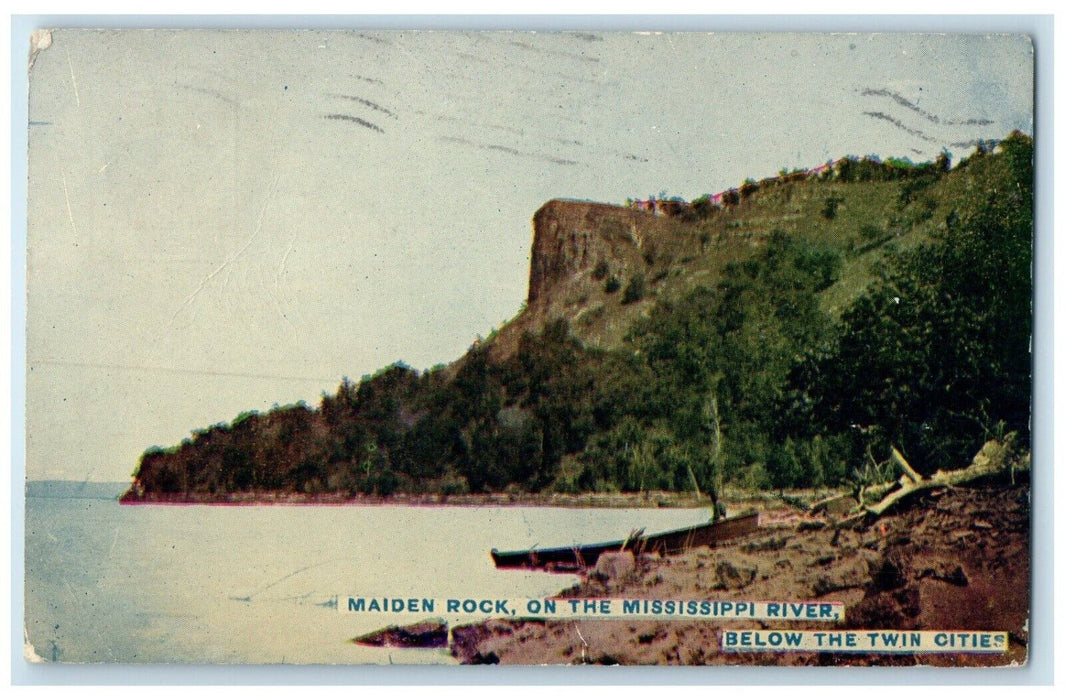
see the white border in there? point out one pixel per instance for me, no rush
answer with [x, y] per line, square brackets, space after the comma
[1040, 667]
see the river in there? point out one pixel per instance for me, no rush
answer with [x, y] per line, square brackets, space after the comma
[259, 584]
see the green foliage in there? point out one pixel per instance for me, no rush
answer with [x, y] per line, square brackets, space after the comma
[831, 207]
[702, 208]
[937, 353]
[744, 377]
[911, 188]
[734, 346]
[870, 233]
[635, 290]
[942, 163]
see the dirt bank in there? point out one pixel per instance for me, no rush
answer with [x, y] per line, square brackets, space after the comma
[953, 559]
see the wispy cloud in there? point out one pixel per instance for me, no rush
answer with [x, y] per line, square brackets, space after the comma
[355, 120]
[934, 118]
[509, 150]
[365, 102]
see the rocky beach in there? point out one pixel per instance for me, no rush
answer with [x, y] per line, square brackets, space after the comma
[951, 559]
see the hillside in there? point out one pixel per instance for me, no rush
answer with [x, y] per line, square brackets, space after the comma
[778, 334]
[578, 246]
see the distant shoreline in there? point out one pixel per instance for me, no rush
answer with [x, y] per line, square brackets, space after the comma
[658, 499]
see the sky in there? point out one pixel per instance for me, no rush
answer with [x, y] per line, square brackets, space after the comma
[221, 221]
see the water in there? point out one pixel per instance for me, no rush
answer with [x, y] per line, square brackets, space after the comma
[257, 584]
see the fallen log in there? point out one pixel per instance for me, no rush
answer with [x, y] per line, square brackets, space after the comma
[993, 459]
[905, 466]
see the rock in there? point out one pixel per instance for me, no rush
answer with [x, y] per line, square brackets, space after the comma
[422, 635]
[889, 574]
[878, 611]
[854, 576]
[570, 238]
[732, 577]
[955, 575]
[466, 640]
[947, 572]
[909, 600]
[478, 659]
[836, 505]
[613, 567]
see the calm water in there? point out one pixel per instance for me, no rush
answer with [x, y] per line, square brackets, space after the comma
[256, 584]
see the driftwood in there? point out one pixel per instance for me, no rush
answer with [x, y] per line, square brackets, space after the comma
[994, 458]
[907, 470]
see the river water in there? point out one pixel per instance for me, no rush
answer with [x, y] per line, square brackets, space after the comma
[259, 584]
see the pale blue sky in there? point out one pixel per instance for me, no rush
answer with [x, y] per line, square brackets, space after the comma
[221, 221]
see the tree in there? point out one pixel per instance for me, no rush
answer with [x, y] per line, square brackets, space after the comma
[936, 354]
[634, 290]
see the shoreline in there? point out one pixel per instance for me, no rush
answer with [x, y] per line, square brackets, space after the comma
[934, 564]
[653, 499]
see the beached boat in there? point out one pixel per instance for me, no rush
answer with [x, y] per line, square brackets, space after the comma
[671, 542]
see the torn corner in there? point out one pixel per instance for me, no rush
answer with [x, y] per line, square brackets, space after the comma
[40, 40]
[28, 651]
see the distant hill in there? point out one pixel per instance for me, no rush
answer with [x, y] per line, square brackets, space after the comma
[783, 333]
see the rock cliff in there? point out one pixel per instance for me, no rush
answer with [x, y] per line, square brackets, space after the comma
[583, 256]
[571, 238]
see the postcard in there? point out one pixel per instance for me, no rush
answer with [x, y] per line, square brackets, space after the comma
[535, 348]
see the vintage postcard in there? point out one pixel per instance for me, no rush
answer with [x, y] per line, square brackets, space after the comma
[616, 348]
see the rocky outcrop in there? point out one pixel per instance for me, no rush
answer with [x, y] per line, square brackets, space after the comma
[571, 237]
[585, 254]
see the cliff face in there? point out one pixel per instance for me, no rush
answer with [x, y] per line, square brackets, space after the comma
[577, 249]
[583, 257]
[571, 238]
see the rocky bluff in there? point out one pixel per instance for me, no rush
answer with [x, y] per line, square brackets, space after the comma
[585, 255]
[571, 238]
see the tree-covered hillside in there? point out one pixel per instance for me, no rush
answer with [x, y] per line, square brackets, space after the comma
[879, 304]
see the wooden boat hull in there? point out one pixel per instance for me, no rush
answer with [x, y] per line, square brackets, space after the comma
[671, 542]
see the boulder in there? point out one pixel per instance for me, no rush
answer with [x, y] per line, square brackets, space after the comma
[615, 566]
[730, 577]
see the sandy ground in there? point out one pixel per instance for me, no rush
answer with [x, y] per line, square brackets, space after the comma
[953, 559]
